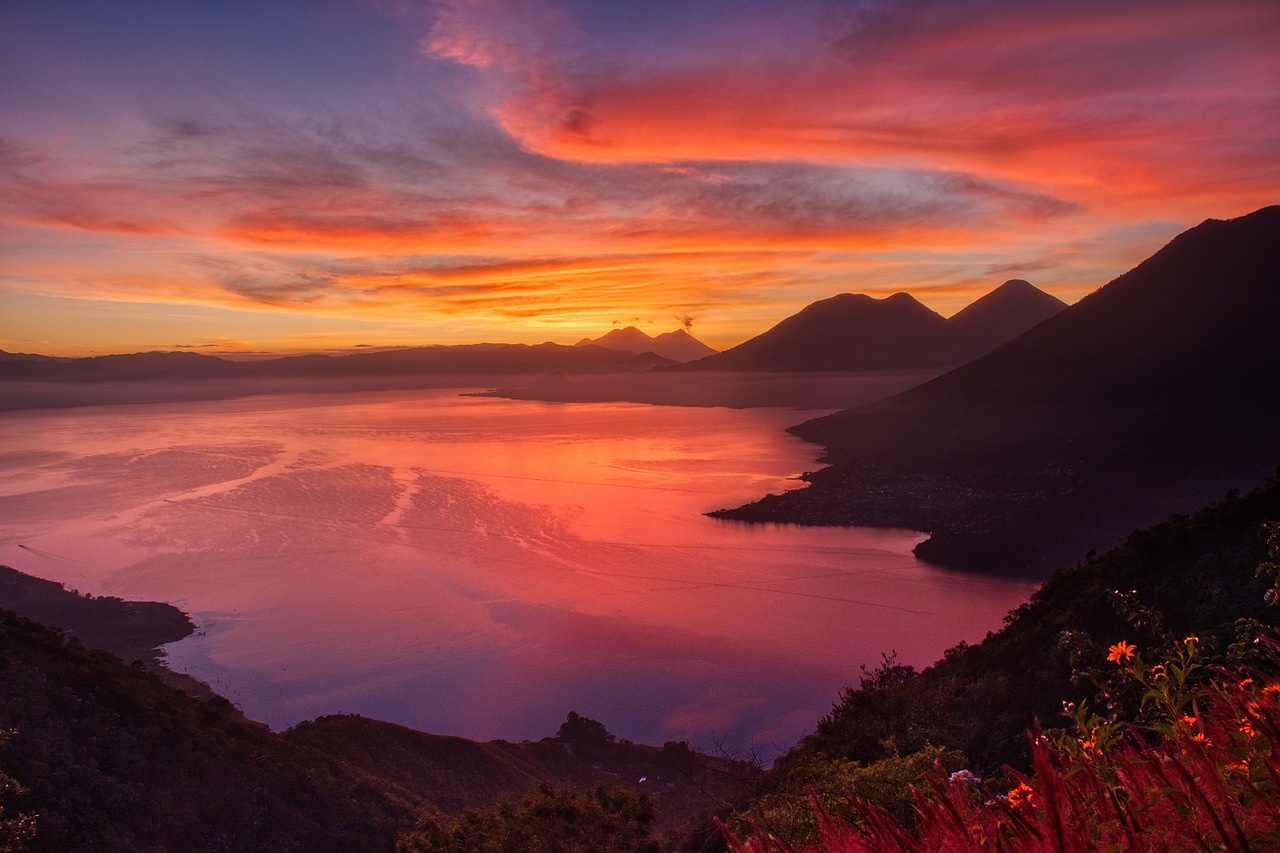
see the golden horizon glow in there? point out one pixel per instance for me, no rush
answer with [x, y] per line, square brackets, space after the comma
[463, 171]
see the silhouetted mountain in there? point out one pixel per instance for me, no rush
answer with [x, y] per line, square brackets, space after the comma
[470, 358]
[1153, 393]
[629, 338]
[140, 365]
[1000, 316]
[680, 346]
[27, 356]
[676, 346]
[846, 332]
[852, 332]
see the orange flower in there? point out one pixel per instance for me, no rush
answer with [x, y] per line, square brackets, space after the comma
[1021, 796]
[1121, 652]
[1271, 690]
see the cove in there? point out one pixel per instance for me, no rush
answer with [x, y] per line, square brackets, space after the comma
[480, 566]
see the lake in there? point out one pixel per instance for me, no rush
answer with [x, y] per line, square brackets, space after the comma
[479, 566]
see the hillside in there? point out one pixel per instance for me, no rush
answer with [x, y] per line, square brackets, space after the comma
[113, 759]
[1151, 394]
[855, 332]
[1199, 573]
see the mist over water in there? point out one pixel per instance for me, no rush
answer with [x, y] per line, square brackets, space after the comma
[478, 566]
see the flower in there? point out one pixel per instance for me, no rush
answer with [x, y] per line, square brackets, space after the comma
[1121, 652]
[1021, 796]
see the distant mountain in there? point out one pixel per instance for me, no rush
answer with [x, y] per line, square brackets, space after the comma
[676, 346]
[852, 332]
[26, 356]
[846, 332]
[469, 358]
[1000, 316]
[1154, 393]
[141, 365]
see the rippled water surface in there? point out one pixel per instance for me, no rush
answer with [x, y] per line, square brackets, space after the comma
[478, 566]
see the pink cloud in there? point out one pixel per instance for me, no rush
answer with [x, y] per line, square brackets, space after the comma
[1103, 101]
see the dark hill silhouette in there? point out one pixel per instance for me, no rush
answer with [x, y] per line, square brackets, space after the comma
[846, 332]
[113, 759]
[1000, 316]
[1153, 393]
[139, 365]
[676, 346]
[26, 356]
[466, 358]
[853, 332]
[629, 338]
[680, 346]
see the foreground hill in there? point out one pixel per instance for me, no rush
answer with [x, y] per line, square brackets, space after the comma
[1153, 393]
[115, 760]
[1190, 575]
[857, 332]
[1163, 651]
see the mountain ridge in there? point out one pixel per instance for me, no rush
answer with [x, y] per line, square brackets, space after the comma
[677, 345]
[855, 331]
[1147, 395]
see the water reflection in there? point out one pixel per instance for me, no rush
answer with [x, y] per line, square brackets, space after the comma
[478, 566]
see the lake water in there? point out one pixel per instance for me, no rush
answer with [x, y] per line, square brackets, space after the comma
[477, 566]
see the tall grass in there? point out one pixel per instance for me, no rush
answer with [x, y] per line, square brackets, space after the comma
[1197, 769]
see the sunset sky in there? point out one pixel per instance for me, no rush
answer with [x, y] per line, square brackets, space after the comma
[284, 176]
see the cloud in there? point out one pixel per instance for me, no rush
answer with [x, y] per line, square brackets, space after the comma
[550, 164]
[1063, 97]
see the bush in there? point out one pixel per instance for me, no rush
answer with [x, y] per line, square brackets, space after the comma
[554, 820]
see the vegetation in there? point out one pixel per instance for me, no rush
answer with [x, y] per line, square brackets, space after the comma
[1197, 767]
[112, 759]
[1187, 576]
[1162, 652]
[1175, 747]
[554, 820]
[17, 830]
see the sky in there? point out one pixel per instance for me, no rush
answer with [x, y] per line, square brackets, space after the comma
[238, 177]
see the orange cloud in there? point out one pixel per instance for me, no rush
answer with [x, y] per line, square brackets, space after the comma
[1113, 104]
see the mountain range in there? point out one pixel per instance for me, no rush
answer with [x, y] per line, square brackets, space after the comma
[1153, 393]
[677, 346]
[851, 332]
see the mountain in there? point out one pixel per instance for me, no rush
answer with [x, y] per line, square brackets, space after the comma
[852, 332]
[681, 346]
[1155, 392]
[1002, 315]
[845, 332]
[676, 346]
[26, 356]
